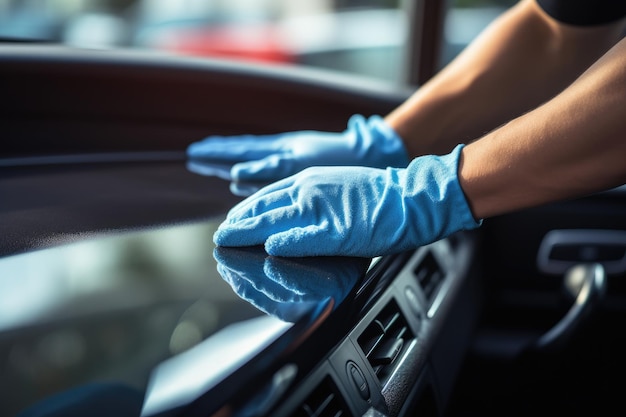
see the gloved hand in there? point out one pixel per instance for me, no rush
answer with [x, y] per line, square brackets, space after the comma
[365, 142]
[287, 288]
[353, 211]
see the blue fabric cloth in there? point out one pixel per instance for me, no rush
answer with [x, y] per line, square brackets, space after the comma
[353, 211]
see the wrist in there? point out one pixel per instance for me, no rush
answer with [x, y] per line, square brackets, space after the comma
[435, 200]
[381, 146]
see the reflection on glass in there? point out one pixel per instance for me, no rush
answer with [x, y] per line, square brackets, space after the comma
[107, 272]
[287, 287]
[222, 170]
[111, 306]
[107, 307]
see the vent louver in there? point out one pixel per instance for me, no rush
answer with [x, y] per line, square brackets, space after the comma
[429, 275]
[384, 339]
[324, 401]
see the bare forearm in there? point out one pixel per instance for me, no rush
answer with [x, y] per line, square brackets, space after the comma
[572, 145]
[519, 62]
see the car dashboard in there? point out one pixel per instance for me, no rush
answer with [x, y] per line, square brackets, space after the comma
[113, 286]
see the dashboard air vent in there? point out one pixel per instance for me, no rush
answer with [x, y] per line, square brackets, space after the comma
[324, 401]
[384, 339]
[429, 275]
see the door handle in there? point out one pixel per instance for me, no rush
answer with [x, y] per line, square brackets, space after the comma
[587, 284]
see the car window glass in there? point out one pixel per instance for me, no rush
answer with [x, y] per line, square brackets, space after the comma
[356, 36]
[464, 20]
[365, 37]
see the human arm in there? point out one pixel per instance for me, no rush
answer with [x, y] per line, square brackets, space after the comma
[520, 61]
[570, 146]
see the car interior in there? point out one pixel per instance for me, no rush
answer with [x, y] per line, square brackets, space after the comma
[116, 302]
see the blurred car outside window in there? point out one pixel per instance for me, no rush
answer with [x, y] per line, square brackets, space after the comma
[464, 20]
[365, 37]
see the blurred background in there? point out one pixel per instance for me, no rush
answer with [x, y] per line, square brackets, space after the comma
[366, 37]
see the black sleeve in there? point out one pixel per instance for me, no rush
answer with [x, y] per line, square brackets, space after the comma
[584, 12]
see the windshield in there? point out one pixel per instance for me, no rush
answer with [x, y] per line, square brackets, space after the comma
[321, 33]
[366, 37]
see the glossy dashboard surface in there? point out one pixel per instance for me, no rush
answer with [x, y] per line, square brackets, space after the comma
[112, 292]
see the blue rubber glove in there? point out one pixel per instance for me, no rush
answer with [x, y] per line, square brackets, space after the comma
[353, 211]
[365, 142]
